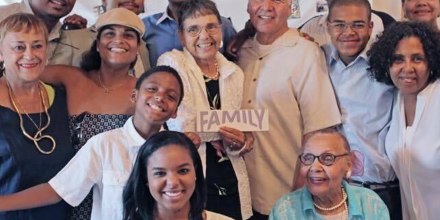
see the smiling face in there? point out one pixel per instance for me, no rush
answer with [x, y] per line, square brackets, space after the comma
[409, 69]
[52, 8]
[422, 10]
[171, 178]
[24, 55]
[269, 18]
[349, 42]
[118, 45]
[321, 180]
[136, 6]
[157, 99]
[204, 46]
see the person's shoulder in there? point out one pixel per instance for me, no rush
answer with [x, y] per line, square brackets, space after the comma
[173, 55]
[108, 136]
[226, 20]
[79, 39]
[312, 23]
[10, 9]
[364, 193]
[291, 198]
[216, 216]
[152, 19]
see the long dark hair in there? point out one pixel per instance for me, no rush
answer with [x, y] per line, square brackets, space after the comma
[138, 202]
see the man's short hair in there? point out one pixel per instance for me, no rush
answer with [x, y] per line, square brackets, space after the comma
[363, 3]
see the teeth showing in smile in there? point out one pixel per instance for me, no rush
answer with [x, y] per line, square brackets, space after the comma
[205, 45]
[28, 65]
[408, 79]
[317, 179]
[57, 2]
[265, 17]
[173, 194]
[118, 50]
[156, 107]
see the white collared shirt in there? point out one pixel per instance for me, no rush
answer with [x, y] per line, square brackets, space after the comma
[415, 154]
[104, 163]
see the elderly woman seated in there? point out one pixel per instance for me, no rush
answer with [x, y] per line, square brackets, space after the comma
[326, 194]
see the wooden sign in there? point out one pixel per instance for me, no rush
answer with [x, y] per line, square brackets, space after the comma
[243, 119]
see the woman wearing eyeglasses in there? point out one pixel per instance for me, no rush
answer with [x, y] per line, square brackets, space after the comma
[325, 165]
[211, 82]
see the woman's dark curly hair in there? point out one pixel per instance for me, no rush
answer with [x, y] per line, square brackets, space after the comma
[381, 54]
[91, 60]
[138, 202]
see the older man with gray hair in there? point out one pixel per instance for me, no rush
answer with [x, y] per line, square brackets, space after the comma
[286, 74]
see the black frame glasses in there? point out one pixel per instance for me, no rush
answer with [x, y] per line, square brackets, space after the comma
[326, 159]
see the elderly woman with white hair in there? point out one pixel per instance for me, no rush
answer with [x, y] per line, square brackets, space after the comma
[325, 165]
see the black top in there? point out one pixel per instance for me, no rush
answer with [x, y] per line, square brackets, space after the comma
[221, 181]
[23, 166]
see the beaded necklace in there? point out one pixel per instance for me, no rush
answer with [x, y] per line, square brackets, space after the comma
[343, 201]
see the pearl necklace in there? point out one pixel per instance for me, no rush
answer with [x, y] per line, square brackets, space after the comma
[217, 74]
[344, 198]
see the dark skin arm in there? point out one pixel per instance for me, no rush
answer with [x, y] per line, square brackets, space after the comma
[37, 196]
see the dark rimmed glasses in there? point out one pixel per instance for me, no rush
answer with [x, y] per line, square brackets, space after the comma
[195, 30]
[326, 159]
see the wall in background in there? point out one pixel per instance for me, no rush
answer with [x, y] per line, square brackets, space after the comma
[235, 9]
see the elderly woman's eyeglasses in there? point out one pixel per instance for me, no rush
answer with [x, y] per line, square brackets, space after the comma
[340, 26]
[326, 159]
[195, 30]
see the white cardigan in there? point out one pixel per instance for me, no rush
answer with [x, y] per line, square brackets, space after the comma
[195, 99]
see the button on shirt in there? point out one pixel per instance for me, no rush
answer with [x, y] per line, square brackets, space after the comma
[366, 113]
[293, 85]
[104, 163]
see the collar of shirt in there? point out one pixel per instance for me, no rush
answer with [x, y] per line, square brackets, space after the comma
[131, 130]
[225, 67]
[354, 205]
[165, 16]
[333, 57]
[289, 39]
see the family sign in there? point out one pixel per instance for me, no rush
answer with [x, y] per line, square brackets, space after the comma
[244, 120]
